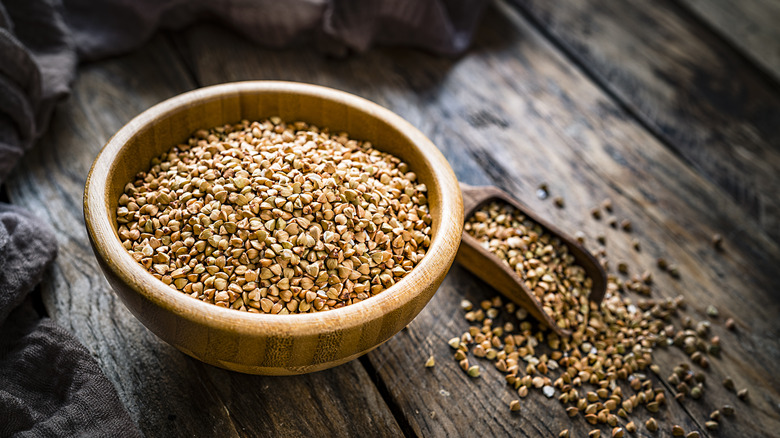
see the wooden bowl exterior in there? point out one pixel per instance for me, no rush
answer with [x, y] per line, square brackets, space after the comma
[261, 343]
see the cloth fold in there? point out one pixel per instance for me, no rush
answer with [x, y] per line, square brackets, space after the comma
[51, 386]
[445, 27]
[49, 383]
[27, 246]
[37, 64]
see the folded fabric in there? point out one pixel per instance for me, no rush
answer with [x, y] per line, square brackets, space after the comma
[442, 26]
[37, 65]
[27, 246]
[51, 386]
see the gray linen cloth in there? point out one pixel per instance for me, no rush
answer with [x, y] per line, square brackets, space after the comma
[49, 383]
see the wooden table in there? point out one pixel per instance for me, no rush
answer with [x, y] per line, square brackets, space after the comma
[669, 108]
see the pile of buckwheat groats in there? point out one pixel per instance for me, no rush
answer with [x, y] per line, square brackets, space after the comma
[601, 371]
[270, 217]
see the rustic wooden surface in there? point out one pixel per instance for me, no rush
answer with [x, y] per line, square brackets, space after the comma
[701, 97]
[751, 25]
[614, 115]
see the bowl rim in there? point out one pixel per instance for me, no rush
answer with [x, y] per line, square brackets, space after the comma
[108, 247]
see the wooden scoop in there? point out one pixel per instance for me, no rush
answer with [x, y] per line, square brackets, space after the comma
[485, 265]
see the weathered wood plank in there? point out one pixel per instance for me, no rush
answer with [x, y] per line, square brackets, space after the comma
[751, 25]
[166, 392]
[515, 112]
[697, 94]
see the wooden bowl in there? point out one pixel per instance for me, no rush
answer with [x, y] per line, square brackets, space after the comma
[264, 343]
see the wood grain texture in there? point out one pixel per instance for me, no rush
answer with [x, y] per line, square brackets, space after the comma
[751, 25]
[264, 343]
[486, 266]
[703, 99]
[166, 392]
[515, 112]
